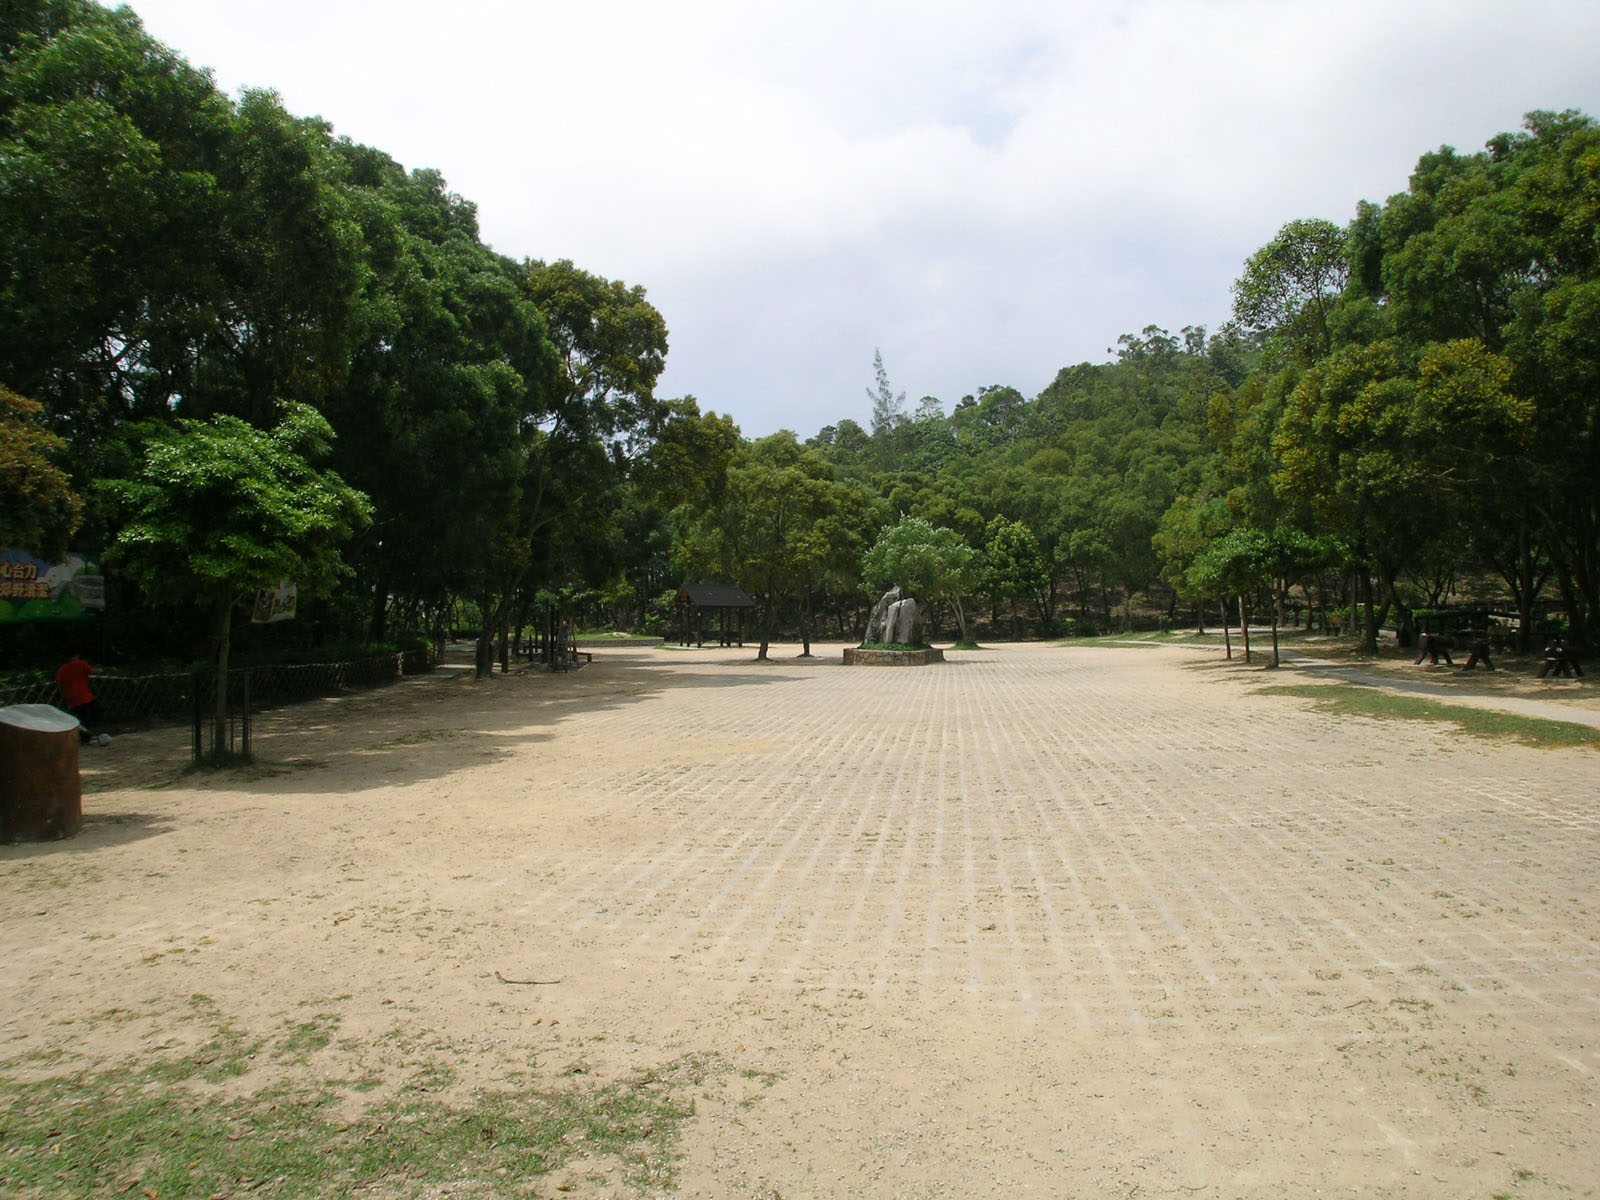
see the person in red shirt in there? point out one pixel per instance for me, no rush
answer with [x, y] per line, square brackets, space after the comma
[73, 679]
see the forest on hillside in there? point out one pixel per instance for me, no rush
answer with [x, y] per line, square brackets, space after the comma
[236, 349]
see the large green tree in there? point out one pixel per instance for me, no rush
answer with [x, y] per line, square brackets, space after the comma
[927, 562]
[219, 510]
[1374, 427]
[1014, 569]
[450, 370]
[1290, 285]
[1462, 367]
[167, 250]
[778, 531]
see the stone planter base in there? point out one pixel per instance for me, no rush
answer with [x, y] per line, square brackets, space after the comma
[855, 657]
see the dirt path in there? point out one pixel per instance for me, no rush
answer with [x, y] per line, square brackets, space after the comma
[1069, 922]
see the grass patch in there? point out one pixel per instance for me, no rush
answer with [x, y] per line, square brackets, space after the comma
[303, 1040]
[1350, 699]
[161, 1129]
[420, 738]
[901, 646]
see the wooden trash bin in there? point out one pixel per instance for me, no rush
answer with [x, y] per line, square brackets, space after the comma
[41, 795]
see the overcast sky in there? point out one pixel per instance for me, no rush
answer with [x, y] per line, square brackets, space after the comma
[987, 192]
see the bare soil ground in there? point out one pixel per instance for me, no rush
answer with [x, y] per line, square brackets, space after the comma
[1062, 921]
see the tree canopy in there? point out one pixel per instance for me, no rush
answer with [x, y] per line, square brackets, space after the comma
[219, 510]
[1418, 388]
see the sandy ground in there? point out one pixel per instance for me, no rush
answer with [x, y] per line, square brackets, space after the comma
[1082, 921]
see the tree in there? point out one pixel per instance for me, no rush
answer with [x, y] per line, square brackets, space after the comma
[925, 561]
[683, 471]
[1290, 284]
[1373, 428]
[38, 508]
[110, 152]
[611, 345]
[1244, 560]
[888, 406]
[170, 251]
[687, 460]
[1285, 557]
[220, 510]
[993, 418]
[1495, 250]
[601, 417]
[1188, 527]
[450, 368]
[284, 272]
[1013, 567]
[777, 532]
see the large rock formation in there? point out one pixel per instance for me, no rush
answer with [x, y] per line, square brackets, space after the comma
[895, 618]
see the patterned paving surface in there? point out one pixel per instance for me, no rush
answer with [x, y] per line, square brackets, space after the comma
[1039, 826]
[1137, 876]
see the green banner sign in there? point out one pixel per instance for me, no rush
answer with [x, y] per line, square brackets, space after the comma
[34, 590]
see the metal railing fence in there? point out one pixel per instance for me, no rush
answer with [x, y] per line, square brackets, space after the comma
[133, 700]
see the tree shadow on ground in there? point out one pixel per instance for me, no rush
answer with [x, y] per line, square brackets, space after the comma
[100, 831]
[426, 727]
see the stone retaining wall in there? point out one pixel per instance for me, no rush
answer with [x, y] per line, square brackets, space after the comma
[855, 657]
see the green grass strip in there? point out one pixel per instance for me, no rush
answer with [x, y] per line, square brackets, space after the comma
[1351, 699]
[138, 1130]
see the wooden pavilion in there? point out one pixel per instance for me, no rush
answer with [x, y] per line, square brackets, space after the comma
[721, 604]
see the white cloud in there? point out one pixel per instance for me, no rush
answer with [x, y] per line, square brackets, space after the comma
[986, 192]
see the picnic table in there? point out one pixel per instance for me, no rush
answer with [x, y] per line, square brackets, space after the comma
[1432, 645]
[1561, 660]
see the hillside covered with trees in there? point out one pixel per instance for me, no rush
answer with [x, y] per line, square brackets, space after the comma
[235, 348]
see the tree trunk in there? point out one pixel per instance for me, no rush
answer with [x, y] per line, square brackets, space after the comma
[1277, 619]
[1370, 617]
[1405, 625]
[961, 618]
[805, 625]
[1525, 590]
[504, 632]
[1227, 630]
[379, 624]
[222, 598]
[1526, 580]
[489, 614]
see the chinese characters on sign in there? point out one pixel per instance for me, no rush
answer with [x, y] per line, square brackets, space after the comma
[34, 590]
[275, 604]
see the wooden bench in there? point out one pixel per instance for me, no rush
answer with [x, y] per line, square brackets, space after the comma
[568, 658]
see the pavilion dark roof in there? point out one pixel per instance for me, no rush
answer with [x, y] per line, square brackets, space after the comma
[714, 595]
